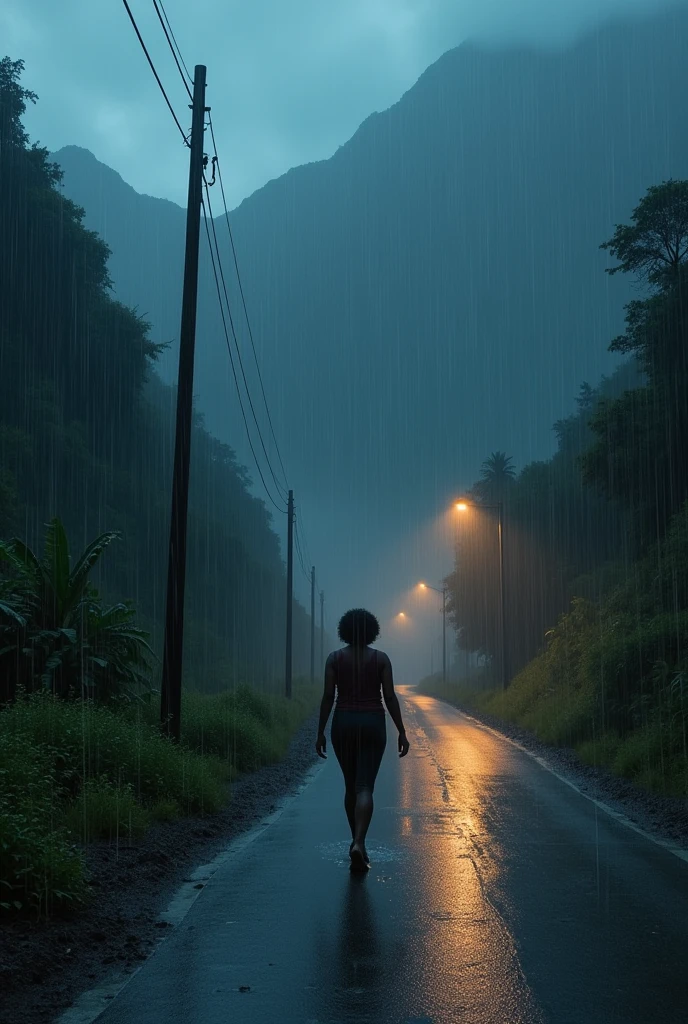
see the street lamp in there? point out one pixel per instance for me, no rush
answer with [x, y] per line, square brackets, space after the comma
[443, 592]
[463, 506]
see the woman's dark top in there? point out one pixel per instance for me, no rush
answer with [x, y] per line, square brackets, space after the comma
[358, 678]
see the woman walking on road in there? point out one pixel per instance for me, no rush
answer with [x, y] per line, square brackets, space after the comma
[359, 732]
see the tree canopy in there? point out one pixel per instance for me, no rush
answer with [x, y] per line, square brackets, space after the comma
[655, 245]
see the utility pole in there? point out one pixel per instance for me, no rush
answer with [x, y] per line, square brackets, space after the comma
[444, 633]
[322, 630]
[290, 589]
[312, 625]
[171, 688]
[505, 674]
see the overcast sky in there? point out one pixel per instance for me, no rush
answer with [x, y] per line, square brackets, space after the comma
[288, 80]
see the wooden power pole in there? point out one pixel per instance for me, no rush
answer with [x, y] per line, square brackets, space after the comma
[171, 689]
[322, 630]
[312, 625]
[290, 590]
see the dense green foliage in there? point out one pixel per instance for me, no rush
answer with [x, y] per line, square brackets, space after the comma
[556, 530]
[87, 428]
[73, 771]
[86, 444]
[601, 529]
[642, 438]
[55, 633]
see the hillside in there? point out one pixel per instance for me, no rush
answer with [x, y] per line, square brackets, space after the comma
[402, 291]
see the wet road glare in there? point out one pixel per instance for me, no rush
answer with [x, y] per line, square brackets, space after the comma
[497, 895]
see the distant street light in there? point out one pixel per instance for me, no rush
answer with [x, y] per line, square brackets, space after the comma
[463, 506]
[443, 592]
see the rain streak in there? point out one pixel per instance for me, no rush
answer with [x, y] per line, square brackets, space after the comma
[344, 512]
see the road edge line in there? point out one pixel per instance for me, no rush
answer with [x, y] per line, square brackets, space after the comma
[95, 1001]
[617, 815]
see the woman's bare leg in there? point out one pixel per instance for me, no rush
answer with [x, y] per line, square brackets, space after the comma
[350, 808]
[362, 815]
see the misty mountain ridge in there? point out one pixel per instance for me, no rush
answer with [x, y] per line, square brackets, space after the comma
[435, 289]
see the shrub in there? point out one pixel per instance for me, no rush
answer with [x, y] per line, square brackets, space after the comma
[104, 811]
[244, 728]
[88, 742]
[39, 866]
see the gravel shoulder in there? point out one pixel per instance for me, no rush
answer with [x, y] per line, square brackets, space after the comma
[45, 965]
[664, 818]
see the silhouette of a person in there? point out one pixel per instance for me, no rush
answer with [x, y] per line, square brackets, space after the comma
[360, 676]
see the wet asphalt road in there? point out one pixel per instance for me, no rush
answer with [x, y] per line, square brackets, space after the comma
[497, 894]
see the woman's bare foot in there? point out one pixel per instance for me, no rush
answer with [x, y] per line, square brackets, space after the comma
[365, 853]
[358, 857]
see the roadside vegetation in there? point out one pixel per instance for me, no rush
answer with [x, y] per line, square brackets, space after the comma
[86, 432]
[73, 771]
[596, 543]
[82, 757]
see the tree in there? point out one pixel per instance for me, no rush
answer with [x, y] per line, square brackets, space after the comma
[498, 474]
[655, 245]
[87, 433]
[641, 439]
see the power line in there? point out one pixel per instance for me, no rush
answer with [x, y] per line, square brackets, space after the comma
[300, 553]
[174, 53]
[231, 359]
[188, 74]
[280, 489]
[243, 298]
[302, 549]
[157, 76]
[304, 544]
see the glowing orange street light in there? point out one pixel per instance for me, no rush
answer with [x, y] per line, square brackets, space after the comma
[401, 615]
[463, 506]
[443, 592]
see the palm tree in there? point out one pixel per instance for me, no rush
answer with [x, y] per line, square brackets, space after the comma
[54, 631]
[498, 474]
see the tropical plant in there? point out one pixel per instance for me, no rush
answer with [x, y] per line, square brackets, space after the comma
[497, 474]
[54, 631]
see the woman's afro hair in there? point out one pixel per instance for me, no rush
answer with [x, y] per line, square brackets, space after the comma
[358, 627]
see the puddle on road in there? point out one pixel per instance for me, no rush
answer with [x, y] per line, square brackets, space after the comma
[379, 853]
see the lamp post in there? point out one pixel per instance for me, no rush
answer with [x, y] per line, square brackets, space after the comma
[443, 592]
[463, 506]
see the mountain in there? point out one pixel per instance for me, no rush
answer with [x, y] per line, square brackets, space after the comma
[434, 290]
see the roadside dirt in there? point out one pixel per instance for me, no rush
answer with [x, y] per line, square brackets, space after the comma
[45, 965]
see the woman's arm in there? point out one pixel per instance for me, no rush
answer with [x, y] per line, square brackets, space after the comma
[325, 706]
[392, 702]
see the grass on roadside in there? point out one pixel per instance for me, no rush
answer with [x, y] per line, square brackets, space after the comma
[652, 756]
[73, 772]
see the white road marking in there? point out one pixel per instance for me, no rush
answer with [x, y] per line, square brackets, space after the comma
[95, 1001]
[621, 818]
